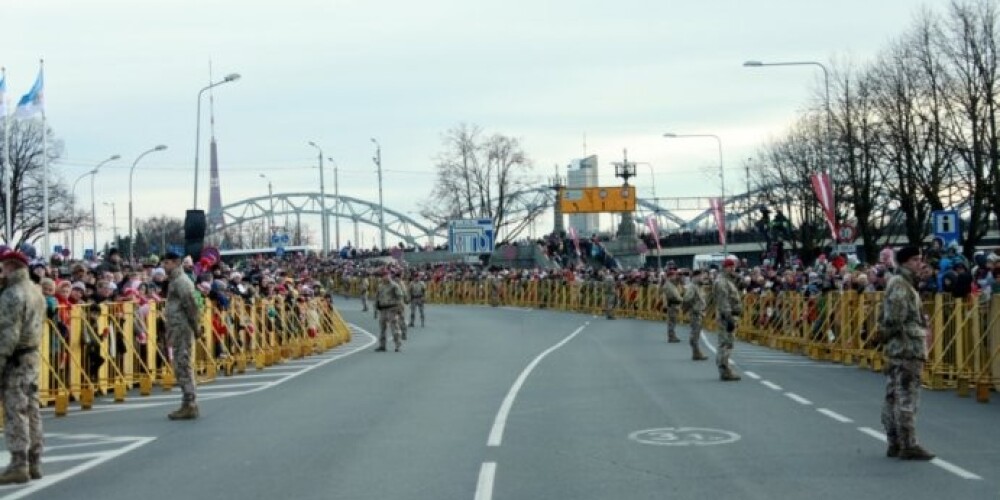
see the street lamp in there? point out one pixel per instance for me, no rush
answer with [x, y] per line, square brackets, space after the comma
[829, 111]
[270, 197]
[131, 238]
[322, 203]
[232, 77]
[336, 201]
[93, 200]
[722, 179]
[381, 210]
[114, 222]
[72, 243]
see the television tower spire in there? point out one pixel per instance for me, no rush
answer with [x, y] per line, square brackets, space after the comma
[215, 219]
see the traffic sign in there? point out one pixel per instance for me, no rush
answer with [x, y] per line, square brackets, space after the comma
[846, 233]
[945, 226]
[848, 249]
[279, 239]
[470, 236]
[279, 251]
[597, 199]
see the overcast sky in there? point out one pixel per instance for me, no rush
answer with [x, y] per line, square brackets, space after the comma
[122, 76]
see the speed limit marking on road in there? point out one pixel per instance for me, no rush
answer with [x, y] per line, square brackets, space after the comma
[684, 436]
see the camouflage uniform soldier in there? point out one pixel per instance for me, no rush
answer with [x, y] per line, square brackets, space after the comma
[903, 331]
[694, 303]
[401, 310]
[22, 316]
[388, 300]
[417, 290]
[365, 284]
[672, 302]
[181, 319]
[728, 305]
[494, 284]
[610, 294]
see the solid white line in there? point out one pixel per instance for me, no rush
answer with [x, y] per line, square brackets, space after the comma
[834, 415]
[798, 399]
[496, 433]
[954, 469]
[708, 345]
[874, 433]
[772, 385]
[484, 488]
[49, 480]
[752, 375]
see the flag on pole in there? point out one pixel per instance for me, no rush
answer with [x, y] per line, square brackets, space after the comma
[654, 230]
[720, 213]
[32, 103]
[576, 239]
[824, 192]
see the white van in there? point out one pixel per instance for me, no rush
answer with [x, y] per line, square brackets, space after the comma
[709, 260]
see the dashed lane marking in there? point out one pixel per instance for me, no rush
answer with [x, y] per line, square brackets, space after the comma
[771, 385]
[752, 375]
[484, 487]
[834, 415]
[798, 399]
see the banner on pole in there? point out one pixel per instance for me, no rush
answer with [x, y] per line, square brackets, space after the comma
[720, 217]
[654, 229]
[823, 187]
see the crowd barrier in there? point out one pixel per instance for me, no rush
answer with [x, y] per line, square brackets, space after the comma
[113, 348]
[840, 327]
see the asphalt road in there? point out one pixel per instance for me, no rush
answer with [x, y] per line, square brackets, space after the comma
[522, 404]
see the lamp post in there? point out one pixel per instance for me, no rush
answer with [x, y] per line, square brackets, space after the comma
[322, 203]
[131, 172]
[232, 77]
[722, 179]
[72, 243]
[270, 197]
[829, 113]
[93, 200]
[114, 222]
[381, 210]
[336, 206]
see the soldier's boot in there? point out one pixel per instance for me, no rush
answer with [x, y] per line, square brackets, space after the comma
[35, 464]
[892, 451]
[187, 411]
[380, 348]
[17, 471]
[915, 452]
[672, 338]
[728, 375]
[398, 347]
[421, 322]
[696, 354]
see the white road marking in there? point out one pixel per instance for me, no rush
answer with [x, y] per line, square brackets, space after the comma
[798, 399]
[772, 385]
[708, 345]
[484, 487]
[496, 433]
[752, 375]
[874, 433]
[834, 415]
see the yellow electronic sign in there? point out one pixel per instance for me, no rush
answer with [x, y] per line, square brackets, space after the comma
[597, 199]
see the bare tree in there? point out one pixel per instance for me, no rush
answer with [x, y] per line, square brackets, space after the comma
[483, 177]
[155, 234]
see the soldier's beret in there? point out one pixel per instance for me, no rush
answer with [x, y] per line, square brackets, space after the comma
[171, 256]
[729, 263]
[903, 255]
[14, 256]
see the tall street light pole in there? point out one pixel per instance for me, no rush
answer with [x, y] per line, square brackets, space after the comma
[72, 243]
[270, 198]
[131, 172]
[829, 113]
[232, 77]
[722, 179]
[381, 210]
[114, 222]
[336, 205]
[93, 200]
[322, 203]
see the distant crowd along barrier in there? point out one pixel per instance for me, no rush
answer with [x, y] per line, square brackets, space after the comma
[111, 349]
[841, 327]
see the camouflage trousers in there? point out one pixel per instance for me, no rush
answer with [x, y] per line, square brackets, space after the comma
[182, 339]
[673, 312]
[494, 298]
[609, 305]
[364, 301]
[401, 319]
[389, 319]
[22, 429]
[727, 337]
[902, 396]
[696, 317]
[417, 303]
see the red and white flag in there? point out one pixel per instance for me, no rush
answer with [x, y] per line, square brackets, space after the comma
[654, 230]
[576, 239]
[823, 187]
[720, 217]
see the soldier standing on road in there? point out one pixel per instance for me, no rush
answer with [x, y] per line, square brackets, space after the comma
[365, 285]
[181, 318]
[22, 316]
[610, 293]
[494, 283]
[729, 305]
[694, 303]
[401, 310]
[903, 331]
[417, 290]
[672, 303]
[388, 300]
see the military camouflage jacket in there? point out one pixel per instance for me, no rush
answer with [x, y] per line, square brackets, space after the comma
[22, 314]
[903, 327]
[727, 296]
[182, 309]
[694, 299]
[417, 289]
[389, 295]
[671, 295]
